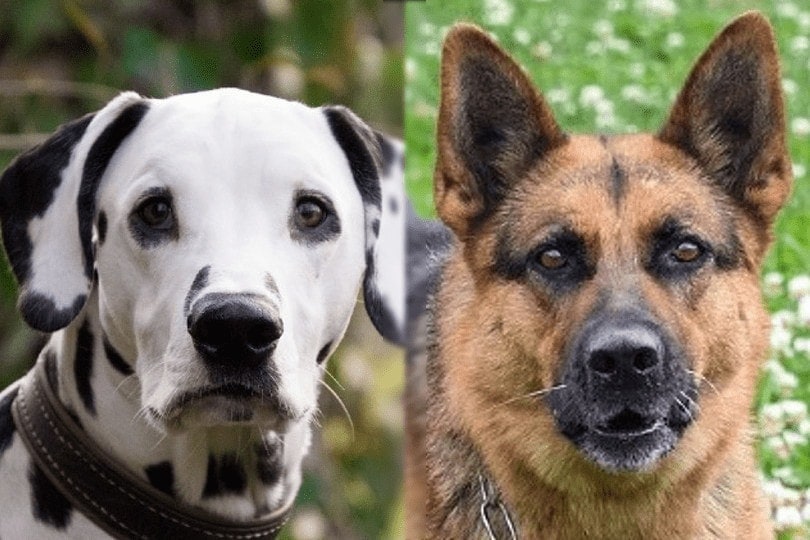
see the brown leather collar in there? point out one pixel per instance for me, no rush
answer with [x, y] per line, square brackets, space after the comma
[116, 500]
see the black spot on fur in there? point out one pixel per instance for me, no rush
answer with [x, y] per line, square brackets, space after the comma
[225, 475]
[200, 282]
[27, 188]
[618, 181]
[389, 153]
[393, 205]
[83, 367]
[6, 421]
[270, 460]
[48, 505]
[102, 227]
[161, 476]
[270, 283]
[324, 353]
[41, 312]
[355, 144]
[94, 166]
[116, 360]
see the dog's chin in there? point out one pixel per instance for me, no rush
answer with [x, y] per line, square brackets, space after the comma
[223, 406]
[627, 442]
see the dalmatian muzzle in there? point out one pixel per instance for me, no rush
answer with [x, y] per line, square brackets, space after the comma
[197, 259]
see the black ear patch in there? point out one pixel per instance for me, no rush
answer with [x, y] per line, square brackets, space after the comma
[362, 150]
[27, 187]
[97, 160]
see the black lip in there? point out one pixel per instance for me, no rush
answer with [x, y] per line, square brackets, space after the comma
[628, 423]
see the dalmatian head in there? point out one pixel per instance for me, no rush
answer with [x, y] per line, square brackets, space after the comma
[220, 238]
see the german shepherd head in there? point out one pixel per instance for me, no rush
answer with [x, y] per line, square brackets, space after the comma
[599, 326]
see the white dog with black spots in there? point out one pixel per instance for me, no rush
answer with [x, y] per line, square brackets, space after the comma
[197, 260]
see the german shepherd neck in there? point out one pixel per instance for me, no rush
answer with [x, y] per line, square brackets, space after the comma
[598, 326]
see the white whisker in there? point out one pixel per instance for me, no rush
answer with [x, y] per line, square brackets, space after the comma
[533, 394]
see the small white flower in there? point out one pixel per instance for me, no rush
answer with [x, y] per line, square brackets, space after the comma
[662, 8]
[498, 12]
[522, 36]
[800, 126]
[558, 95]
[635, 93]
[637, 70]
[794, 411]
[804, 429]
[616, 5]
[595, 48]
[789, 86]
[780, 340]
[542, 50]
[603, 28]
[800, 44]
[802, 345]
[778, 446]
[783, 319]
[771, 420]
[799, 286]
[789, 10]
[675, 40]
[803, 310]
[618, 45]
[590, 95]
[787, 517]
[806, 511]
[793, 439]
[799, 170]
[772, 283]
[787, 382]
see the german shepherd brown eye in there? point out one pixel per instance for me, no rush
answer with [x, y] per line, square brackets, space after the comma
[309, 213]
[551, 259]
[687, 252]
[157, 213]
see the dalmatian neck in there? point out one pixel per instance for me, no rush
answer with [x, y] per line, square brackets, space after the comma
[238, 472]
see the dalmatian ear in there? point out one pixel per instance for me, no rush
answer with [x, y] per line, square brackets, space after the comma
[377, 166]
[48, 206]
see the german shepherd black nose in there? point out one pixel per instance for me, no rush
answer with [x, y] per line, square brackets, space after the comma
[623, 355]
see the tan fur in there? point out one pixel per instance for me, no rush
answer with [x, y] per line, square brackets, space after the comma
[496, 339]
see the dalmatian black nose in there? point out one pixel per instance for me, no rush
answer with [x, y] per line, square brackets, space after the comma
[236, 331]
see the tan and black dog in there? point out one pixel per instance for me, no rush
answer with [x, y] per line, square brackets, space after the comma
[598, 326]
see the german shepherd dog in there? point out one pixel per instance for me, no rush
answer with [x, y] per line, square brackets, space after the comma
[598, 324]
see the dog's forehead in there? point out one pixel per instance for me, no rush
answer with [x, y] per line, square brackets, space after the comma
[228, 136]
[623, 184]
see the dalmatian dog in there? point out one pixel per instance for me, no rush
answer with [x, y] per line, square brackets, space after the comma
[196, 260]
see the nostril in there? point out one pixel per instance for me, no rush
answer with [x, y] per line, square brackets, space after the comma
[602, 362]
[262, 335]
[644, 360]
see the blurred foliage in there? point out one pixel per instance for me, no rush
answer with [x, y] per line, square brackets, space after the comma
[60, 59]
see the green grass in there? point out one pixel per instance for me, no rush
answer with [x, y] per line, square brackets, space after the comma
[631, 57]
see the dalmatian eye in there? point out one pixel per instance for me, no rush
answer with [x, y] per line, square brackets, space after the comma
[309, 213]
[157, 213]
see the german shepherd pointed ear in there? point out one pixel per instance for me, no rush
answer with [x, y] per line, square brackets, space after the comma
[730, 117]
[493, 125]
